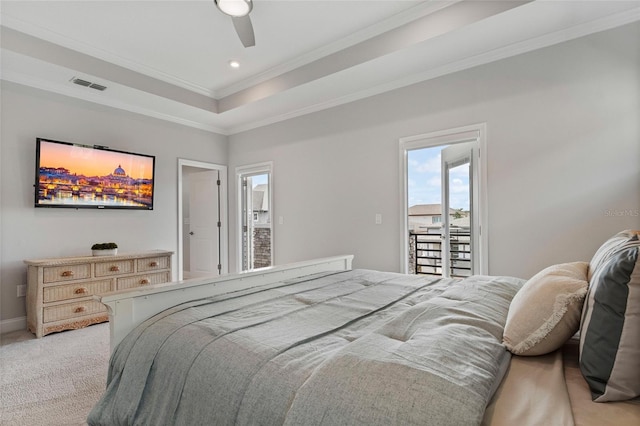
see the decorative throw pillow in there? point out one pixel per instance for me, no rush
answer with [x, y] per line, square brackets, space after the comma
[609, 247]
[610, 325]
[545, 313]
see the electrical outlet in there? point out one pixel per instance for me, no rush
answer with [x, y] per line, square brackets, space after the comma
[22, 290]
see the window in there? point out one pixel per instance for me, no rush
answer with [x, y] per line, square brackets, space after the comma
[255, 210]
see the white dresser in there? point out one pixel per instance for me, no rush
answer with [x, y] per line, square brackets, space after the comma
[59, 290]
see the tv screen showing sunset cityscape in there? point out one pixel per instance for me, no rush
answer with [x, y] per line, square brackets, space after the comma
[71, 175]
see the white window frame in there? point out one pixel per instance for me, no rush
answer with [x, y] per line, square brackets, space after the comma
[445, 137]
[252, 170]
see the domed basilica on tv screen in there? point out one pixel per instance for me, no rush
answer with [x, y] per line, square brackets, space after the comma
[58, 185]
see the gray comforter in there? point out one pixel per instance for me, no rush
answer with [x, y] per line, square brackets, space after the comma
[356, 347]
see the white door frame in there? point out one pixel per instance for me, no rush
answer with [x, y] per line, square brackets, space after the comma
[443, 137]
[224, 228]
[252, 169]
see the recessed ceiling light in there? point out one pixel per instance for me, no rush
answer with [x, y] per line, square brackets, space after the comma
[234, 64]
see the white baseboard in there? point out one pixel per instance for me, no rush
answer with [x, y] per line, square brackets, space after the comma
[13, 324]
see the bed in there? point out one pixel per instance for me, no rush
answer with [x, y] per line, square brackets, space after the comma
[321, 343]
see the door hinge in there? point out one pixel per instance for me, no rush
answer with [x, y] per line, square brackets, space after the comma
[218, 182]
[219, 267]
[219, 224]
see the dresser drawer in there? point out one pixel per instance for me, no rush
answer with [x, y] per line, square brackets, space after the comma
[142, 280]
[72, 310]
[105, 269]
[153, 263]
[54, 274]
[72, 291]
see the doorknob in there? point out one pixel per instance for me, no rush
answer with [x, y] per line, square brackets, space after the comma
[191, 233]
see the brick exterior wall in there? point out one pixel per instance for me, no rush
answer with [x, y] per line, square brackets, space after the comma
[412, 254]
[261, 247]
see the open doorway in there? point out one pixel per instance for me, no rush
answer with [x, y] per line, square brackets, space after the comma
[442, 211]
[202, 219]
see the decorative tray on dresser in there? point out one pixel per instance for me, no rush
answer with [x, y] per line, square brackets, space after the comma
[59, 290]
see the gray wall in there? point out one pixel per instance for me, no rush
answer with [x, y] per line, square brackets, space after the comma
[563, 158]
[29, 233]
[563, 164]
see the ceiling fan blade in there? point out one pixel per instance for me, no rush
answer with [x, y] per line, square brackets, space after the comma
[244, 28]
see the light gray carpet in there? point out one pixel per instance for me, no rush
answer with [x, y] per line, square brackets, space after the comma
[55, 380]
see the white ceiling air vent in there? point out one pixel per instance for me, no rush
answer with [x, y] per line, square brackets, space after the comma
[89, 84]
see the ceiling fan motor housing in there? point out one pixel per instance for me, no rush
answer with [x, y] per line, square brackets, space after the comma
[235, 8]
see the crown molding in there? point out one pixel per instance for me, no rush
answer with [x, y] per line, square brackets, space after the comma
[86, 49]
[395, 21]
[23, 80]
[534, 43]
[577, 31]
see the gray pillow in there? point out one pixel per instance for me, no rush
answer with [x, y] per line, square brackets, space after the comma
[609, 247]
[610, 324]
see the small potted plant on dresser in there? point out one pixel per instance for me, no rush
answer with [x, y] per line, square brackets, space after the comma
[104, 249]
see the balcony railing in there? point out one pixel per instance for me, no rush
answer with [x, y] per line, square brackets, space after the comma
[427, 256]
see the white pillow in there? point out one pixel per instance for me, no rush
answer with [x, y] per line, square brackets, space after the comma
[546, 311]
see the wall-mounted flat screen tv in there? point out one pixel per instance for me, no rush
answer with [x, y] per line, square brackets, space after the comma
[84, 176]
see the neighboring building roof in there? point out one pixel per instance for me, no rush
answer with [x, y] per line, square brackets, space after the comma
[463, 222]
[261, 198]
[427, 210]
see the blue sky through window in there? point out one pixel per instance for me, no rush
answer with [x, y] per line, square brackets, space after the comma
[425, 176]
[259, 179]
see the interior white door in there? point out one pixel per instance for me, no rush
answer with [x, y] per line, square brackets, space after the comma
[204, 232]
[458, 240]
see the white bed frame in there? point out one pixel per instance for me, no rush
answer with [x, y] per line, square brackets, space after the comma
[128, 308]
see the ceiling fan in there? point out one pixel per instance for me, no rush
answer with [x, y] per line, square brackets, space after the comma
[239, 12]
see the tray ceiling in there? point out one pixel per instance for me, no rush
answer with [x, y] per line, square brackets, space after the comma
[170, 59]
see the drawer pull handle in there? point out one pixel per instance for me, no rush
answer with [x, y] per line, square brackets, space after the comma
[79, 309]
[115, 268]
[153, 264]
[81, 290]
[144, 281]
[67, 273]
